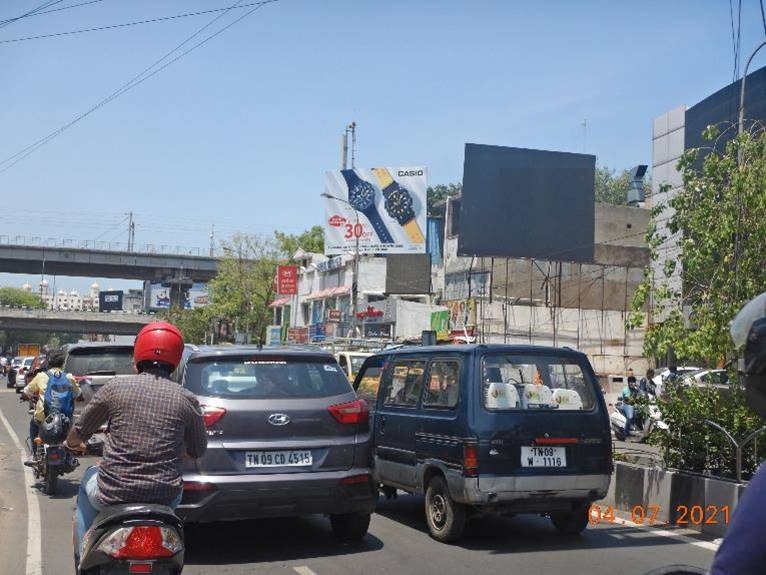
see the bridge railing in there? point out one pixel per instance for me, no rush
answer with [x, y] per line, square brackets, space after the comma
[97, 245]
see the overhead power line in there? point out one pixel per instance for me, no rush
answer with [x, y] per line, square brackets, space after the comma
[147, 73]
[32, 12]
[126, 24]
[54, 10]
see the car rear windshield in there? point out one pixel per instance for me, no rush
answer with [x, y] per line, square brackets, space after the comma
[279, 377]
[536, 382]
[100, 360]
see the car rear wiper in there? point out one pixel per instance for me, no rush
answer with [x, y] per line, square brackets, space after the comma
[102, 372]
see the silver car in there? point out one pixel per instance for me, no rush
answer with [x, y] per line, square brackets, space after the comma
[287, 436]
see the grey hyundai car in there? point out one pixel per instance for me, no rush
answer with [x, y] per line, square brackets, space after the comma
[287, 436]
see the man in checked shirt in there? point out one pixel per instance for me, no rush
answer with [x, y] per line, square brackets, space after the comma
[152, 421]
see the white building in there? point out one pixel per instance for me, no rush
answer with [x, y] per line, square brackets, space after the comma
[66, 301]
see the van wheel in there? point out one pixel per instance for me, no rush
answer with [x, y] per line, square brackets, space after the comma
[445, 517]
[571, 522]
[350, 526]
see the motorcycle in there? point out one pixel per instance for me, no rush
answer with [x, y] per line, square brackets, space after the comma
[49, 458]
[134, 538]
[643, 426]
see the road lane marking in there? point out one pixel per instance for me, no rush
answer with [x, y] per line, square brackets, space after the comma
[709, 545]
[34, 560]
[303, 570]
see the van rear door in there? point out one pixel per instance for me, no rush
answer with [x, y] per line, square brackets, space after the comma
[539, 415]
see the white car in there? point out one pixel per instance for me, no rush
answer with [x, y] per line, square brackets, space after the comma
[21, 370]
[662, 373]
[705, 377]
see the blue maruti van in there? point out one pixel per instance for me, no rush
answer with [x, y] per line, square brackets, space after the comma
[503, 429]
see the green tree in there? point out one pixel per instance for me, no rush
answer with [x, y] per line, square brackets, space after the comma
[244, 286]
[312, 241]
[194, 323]
[16, 297]
[720, 217]
[435, 194]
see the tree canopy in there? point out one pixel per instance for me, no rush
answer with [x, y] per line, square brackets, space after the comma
[16, 297]
[720, 218]
[312, 240]
[439, 192]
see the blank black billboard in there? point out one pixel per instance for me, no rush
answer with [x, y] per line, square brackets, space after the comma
[722, 109]
[110, 301]
[527, 203]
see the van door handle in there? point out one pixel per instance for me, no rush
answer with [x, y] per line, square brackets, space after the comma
[382, 424]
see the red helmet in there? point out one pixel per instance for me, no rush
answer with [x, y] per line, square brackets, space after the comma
[159, 341]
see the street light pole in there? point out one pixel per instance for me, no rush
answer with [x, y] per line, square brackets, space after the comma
[355, 266]
[741, 124]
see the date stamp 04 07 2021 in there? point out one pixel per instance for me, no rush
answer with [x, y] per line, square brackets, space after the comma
[685, 515]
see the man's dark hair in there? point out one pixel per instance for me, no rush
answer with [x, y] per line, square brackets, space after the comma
[56, 359]
[649, 373]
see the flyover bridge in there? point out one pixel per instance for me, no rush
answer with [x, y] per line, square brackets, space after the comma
[18, 319]
[89, 262]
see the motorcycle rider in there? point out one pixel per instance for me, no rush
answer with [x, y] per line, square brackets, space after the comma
[629, 392]
[646, 385]
[37, 387]
[151, 421]
[742, 551]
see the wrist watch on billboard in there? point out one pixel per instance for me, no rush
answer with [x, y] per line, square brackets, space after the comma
[361, 196]
[399, 204]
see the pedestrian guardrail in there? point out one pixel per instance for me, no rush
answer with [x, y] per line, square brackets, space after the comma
[738, 445]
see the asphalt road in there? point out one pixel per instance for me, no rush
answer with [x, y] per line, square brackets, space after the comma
[397, 542]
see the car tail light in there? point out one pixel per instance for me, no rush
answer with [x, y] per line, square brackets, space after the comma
[470, 460]
[142, 542]
[352, 412]
[356, 479]
[198, 486]
[211, 414]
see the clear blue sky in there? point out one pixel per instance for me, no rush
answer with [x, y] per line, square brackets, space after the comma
[239, 132]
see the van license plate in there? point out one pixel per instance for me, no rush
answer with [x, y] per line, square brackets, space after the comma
[278, 458]
[543, 456]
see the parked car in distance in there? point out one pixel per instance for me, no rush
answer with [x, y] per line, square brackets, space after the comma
[708, 377]
[287, 436]
[93, 364]
[21, 371]
[491, 429]
[663, 373]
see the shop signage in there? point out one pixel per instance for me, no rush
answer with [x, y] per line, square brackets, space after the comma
[298, 334]
[273, 334]
[330, 264]
[333, 315]
[380, 330]
[440, 323]
[462, 312]
[287, 280]
[370, 312]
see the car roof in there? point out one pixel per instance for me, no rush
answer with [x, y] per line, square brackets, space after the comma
[203, 351]
[96, 344]
[483, 348]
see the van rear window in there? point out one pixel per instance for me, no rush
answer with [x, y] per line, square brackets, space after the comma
[266, 378]
[535, 383]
